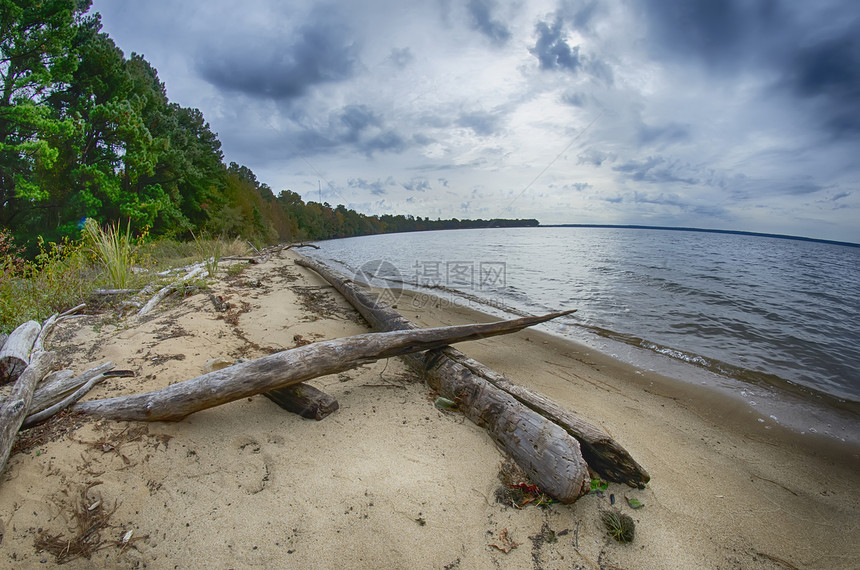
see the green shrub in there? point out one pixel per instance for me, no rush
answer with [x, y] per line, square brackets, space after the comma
[60, 277]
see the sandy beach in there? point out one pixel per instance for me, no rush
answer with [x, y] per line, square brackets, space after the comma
[391, 481]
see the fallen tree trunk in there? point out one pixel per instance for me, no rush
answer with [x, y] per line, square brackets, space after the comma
[602, 453]
[43, 415]
[304, 400]
[49, 325]
[288, 367]
[15, 354]
[549, 455]
[14, 408]
[57, 386]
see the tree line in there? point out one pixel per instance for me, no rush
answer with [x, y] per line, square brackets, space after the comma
[87, 133]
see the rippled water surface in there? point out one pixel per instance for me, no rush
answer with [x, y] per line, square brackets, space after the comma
[754, 308]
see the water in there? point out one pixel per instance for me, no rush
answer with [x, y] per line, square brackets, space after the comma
[756, 309]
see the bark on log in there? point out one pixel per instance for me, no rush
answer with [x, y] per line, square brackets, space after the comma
[602, 453]
[288, 367]
[113, 292]
[14, 408]
[56, 387]
[15, 354]
[304, 400]
[48, 326]
[43, 415]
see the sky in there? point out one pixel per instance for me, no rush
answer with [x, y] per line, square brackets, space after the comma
[737, 114]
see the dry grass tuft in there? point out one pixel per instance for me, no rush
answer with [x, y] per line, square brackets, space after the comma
[88, 518]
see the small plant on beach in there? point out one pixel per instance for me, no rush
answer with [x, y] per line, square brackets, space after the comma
[114, 248]
[598, 486]
[517, 491]
[210, 252]
[236, 269]
[620, 526]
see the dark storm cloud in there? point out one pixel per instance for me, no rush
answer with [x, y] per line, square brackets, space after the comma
[553, 51]
[355, 127]
[811, 49]
[593, 157]
[668, 199]
[417, 185]
[377, 188]
[670, 133]
[357, 119]
[401, 57]
[800, 188]
[828, 72]
[575, 98]
[655, 169]
[578, 186]
[482, 123]
[482, 20]
[283, 66]
[718, 32]
[551, 47]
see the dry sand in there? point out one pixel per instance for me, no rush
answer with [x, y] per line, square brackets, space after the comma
[390, 481]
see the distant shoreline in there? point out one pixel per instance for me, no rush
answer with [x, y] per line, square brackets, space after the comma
[701, 230]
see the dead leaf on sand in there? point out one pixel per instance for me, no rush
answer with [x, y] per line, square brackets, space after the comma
[506, 543]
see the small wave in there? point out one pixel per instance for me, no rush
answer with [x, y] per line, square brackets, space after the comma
[746, 375]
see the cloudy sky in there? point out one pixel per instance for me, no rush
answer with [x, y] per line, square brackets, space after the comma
[737, 114]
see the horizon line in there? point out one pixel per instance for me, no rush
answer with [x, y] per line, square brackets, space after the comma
[703, 230]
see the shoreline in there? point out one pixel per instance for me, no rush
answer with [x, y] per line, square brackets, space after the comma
[389, 480]
[718, 405]
[816, 416]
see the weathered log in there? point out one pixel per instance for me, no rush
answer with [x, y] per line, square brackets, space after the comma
[14, 408]
[15, 354]
[167, 289]
[548, 454]
[602, 453]
[49, 325]
[113, 292]
[43, 415]
[304, 400]
[57, 386]
[288, 367]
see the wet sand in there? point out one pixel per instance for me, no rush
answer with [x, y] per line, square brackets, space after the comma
[390, 481]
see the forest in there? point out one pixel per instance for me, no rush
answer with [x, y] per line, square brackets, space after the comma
[86, 132]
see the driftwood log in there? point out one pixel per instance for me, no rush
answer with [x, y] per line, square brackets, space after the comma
[15, 354]
[49, 325]
[304, 400]
[14, 408]
[548, 454]
[286, 368]
[454, 374]
[59, 390]
[167, 289]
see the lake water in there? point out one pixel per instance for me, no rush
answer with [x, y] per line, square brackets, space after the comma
[760, 311]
